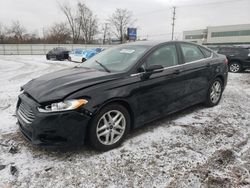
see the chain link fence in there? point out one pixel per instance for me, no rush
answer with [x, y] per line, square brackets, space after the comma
[40, 49]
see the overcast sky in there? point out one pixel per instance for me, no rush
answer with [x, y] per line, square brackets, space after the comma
[153, 16]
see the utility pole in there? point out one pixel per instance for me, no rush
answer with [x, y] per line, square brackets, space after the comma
[173, 24]
[105, 33]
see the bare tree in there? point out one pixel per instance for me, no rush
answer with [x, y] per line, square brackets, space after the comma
[89, 23]
[105, 29]
[58, 33]
[120, 20]
[1, 29]
[16, 31]
[74, 20]
[2, 33]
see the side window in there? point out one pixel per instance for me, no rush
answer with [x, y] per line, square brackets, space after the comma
[191, 52]
[165, 56]
[78, 52]
[54, 50]
[206, 52]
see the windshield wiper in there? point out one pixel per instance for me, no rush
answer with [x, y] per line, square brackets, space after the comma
[103, 66]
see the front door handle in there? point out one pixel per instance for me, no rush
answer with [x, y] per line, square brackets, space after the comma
[177, 71]
[208, 65]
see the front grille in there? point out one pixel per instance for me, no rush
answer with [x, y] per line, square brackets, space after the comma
[25, 113]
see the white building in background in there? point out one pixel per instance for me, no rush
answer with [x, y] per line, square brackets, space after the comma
[231, 34]
[197, 36]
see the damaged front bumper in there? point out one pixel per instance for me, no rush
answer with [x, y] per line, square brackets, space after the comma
[50, 129]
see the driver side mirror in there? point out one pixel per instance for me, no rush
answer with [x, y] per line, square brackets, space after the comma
[154, 68]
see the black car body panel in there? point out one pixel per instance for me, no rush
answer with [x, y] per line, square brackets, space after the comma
[237, 54]
[66, 81]
[146, 98]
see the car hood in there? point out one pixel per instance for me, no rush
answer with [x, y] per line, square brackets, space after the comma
[58, 85]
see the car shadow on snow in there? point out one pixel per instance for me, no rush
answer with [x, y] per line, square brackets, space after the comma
[164, 121]
[245, 71]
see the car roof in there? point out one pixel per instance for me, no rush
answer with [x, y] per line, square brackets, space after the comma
[60, 48]
[152, 43]
[145, 43]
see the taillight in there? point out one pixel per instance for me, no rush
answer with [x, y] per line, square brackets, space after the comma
[226, 61]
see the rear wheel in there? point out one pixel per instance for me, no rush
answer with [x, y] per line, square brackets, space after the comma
[235, 67]
[214, 93]
[109, 127]
[83, 59]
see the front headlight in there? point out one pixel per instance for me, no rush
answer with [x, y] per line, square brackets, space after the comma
[63, 106]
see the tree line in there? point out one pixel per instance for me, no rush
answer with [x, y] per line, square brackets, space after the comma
[81, 25]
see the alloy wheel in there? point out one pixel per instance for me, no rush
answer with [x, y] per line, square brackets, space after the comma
[215, 92]
[234, 67]
[111, 127]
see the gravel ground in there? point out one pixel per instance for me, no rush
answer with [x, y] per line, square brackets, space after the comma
[197, 147]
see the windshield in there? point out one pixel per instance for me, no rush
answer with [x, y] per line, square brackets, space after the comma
[116, 59]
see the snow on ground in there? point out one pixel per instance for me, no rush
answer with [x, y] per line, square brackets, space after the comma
[197, 147]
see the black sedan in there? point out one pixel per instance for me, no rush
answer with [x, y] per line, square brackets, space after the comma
[58, 54]
[120, 89]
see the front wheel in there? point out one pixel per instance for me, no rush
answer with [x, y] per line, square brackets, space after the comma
[109, 127]
[235, 67]
[214, 93]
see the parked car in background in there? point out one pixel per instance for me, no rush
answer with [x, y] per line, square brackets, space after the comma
[76, 55]
[58, 54]
[238, 57]
[81, 55]
[90, 53]
[215, 49]
[120, 89]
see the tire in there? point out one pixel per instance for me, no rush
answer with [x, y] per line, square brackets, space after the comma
[235, 67]
[59, 58]
[117, 129]
[83, 59]
[47, 57]
[69, 58]
[214, 93]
